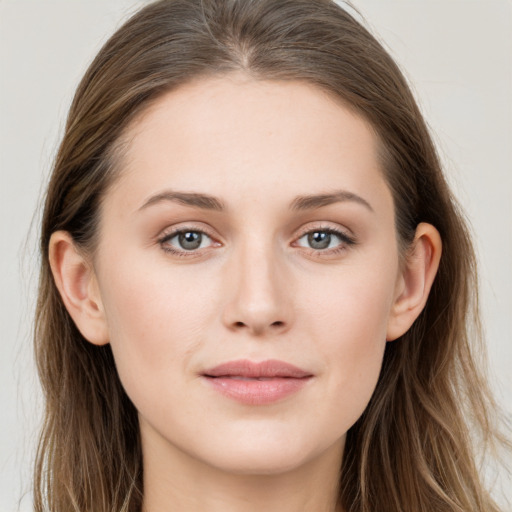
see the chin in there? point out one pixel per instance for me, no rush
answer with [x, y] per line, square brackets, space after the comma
[264, 456]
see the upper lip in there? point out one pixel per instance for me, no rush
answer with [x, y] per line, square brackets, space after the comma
[251, 369]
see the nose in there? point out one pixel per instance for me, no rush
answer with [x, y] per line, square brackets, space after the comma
[260, 301]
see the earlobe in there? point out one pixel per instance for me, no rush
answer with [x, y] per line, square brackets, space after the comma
[77, 285]
[415, 280]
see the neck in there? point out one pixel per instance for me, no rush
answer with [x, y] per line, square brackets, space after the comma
[175, 481]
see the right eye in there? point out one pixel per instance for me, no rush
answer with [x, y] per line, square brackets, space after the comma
[185, 241]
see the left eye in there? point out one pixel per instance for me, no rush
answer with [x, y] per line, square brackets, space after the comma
[323, 239]
[188, 240]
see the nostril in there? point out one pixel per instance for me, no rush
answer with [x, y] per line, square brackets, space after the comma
[276, 324]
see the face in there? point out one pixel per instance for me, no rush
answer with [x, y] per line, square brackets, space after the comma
[247, 269]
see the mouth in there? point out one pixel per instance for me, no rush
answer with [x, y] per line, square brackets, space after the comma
[269, 369]
[257, 383]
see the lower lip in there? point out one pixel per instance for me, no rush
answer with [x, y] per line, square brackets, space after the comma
[257, 392]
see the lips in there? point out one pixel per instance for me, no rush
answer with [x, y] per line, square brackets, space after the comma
[257, 383]
[265, 369]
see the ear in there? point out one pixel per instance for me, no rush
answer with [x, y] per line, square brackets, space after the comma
[77, 285]
[415, 280]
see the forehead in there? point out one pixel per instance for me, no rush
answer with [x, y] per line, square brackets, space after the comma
[219, 133]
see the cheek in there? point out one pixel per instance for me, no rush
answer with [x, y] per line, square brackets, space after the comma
[154, 321]
[350, 324]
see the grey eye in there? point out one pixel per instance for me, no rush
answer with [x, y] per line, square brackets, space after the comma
[319, 239]
[190, 240]
[186, 241]
[322, 239]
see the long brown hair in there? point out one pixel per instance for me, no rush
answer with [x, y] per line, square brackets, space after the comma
[414, 447]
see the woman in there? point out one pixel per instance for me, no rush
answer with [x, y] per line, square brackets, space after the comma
[256, 285]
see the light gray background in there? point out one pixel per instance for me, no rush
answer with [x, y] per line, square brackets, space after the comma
[457, 54]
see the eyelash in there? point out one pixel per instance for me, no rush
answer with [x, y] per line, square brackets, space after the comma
[345, 241]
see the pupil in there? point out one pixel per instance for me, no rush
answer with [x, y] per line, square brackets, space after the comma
[319, 240]
[190, 240]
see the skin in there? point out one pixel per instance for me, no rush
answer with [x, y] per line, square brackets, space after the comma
[255, 289]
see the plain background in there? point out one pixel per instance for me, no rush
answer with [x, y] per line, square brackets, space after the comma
[456, 53]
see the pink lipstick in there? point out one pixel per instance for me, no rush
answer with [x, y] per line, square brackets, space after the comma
[257, 383]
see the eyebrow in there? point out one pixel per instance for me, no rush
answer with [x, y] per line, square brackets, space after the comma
[203, 201]
[300, 203]
[312, 202]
